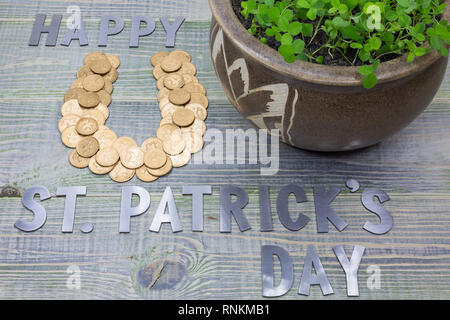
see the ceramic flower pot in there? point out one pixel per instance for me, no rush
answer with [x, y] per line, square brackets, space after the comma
[318, 107]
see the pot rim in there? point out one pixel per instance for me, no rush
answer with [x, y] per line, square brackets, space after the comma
[387, 71]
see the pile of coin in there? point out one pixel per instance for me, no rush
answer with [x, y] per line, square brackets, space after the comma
[181, 130]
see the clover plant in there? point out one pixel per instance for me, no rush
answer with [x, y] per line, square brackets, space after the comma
[360, 32]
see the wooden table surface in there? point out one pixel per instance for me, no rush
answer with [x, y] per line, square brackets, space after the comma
[413, 167]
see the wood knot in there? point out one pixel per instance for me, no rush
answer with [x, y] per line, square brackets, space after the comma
[10, 191]
[161, 274]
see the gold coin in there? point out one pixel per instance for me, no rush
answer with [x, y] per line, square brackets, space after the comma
[102, 127]
[173, 81]
[165, 169]
[73, 94]
[200, 99]
[120, 173]
[86, 126]
[165, 131]
[103, 109]
[124, 143]
[188, 68]
[83, 72]
[181, 159]
[91, 56]
[108, 86]
[158, 57]
[166, 120]
[158, 72]
[179, 96]
[100, 65]
[105, 97]
[96, 168]
[160, 82]
[169, 109]
[181, 55]
[163, 93]
[170, 64]
[163, 102]
[199, 111]
[113, 60]
[87, 147]
[111, 76]
[70, 137]
[174, 145]
[198, 126]
[188, 78]
[195, 88]
[183, 117]
[93, 83]
[144, 175]
[78, 161]
[151, 144]
[155, 159]
[105, 137]
[88, 99]
[194, 141]
[68, 120]
[94, 114]
[71, 107]
[132, 157]
[77, 84]
[107, 157]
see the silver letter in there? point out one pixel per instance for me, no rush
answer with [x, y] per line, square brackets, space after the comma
[171, 30]
[350, 267]
[312, 260]
[38, 210]
[287, 271]
[39, 28]
[105, 31]
[322, 202]
[71, 194]
[265, 213]
[137, 32]
[126, 211]
[228, 208]
[282, 207]
[168, 201]
[197, 204]
[367, 199]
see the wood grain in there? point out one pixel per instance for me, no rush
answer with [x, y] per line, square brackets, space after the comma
[413, 167]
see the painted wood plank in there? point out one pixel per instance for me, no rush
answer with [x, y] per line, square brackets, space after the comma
[412, 167]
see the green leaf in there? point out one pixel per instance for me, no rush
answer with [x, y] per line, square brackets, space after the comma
[287, 52]
[375, 43]
[356, 45]
[339, 23]
[307, 29]
[365, 70]
[295, 28]
[303, 4]
[286, 39]
[311, 14]
[370, 81]
[273, 13]
[283, 23]
[298, 45]
[270, 32]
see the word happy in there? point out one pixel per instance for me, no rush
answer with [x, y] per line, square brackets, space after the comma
[141, 26]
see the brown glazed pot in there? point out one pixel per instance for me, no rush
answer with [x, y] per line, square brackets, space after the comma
[318, 107]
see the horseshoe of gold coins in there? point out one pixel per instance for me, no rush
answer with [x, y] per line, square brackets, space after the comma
[183, 104]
